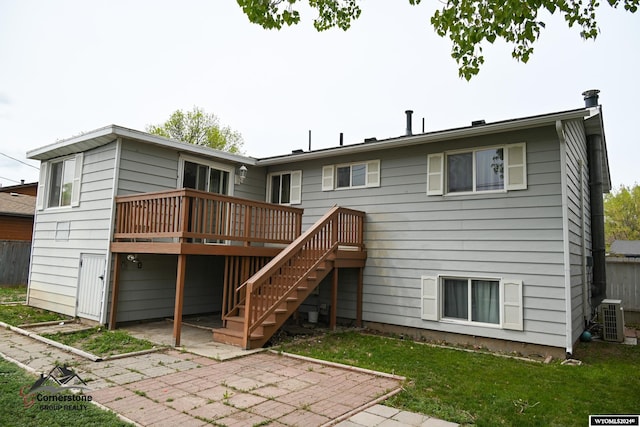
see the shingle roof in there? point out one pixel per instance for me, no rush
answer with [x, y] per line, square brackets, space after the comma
[17, 204]
[630, 248]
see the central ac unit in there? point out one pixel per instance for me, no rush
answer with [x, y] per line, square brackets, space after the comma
[612, 317]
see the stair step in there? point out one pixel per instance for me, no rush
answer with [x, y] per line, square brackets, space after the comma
[238, 334]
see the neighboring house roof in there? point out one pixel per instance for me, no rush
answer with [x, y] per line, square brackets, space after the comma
[29, 189]
[16, 204]
[629, 248]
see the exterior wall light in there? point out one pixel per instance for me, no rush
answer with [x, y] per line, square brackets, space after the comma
[242, 174]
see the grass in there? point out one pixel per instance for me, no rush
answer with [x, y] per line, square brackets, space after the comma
[102, 342]
[22, 314]
[12, 293]
[486, 390]
[13, 412]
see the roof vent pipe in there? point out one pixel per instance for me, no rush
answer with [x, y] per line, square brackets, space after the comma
[590, 98]
[341, 139]
[409, 113]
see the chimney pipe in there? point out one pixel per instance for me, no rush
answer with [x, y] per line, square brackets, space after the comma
[409, 130]
[341, 139]
[22, 182]
[590, 98]
[309, 139]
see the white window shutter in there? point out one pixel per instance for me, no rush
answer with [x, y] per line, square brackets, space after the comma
[429, 298]
[512, 316]
[373, 173]
[42, 186]
[516, 166]
[435, 174]
[327, 178]
[296, 188]
[77, 180]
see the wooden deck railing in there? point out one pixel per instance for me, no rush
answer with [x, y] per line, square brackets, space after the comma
[187, 215]
[270, 287]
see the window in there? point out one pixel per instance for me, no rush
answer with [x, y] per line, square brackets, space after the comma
[205, 177]
[59, 184]
[352, 175]
[481, 170]
[471, 300]
[474, 301]
[490, 169]
[284, 188]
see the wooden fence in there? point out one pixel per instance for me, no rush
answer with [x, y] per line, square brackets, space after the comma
[14, 262]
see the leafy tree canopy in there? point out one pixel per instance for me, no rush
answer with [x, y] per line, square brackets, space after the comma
[622, 214]
[467, 23]
[200, 128]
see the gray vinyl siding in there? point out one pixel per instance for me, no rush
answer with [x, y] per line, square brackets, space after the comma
[53, 283]
[579, 220]
[145, 168]
[149, 292]
[516, 235]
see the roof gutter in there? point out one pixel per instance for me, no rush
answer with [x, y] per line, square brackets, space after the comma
[406, 141]
[122, 132]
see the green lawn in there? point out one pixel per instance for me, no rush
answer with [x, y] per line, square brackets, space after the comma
[10, 293]
[14, 413]
[102, 342]
[21, 314]
[486, 390]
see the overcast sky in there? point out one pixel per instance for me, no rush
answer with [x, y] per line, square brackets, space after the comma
[68, 67]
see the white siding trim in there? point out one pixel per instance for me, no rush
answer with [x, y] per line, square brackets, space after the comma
[77, 180]
[107, 275]
[327, 178]
[565, 236]
[512, 313]
[435, 174]
[429, 299]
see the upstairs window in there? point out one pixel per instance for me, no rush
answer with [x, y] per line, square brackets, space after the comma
[284, 188]
[474, 171]
[351, 175]
[59, 184]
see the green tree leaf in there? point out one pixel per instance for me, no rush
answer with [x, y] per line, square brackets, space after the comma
[622, 214]
[200, 128]
[467, 23]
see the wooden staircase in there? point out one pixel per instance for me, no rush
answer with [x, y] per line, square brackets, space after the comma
[268, 298]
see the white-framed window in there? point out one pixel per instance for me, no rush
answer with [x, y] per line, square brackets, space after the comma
[351, 175]
[497, 169]
[284, 188]
[480, 301]
[60, 181]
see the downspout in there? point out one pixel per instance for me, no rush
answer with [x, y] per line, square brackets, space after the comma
[599, 284]
[565, 238]
[112, 223]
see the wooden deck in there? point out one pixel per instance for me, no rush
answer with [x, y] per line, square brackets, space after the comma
[253, 236]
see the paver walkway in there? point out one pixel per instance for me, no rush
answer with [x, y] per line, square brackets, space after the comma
[180, 388]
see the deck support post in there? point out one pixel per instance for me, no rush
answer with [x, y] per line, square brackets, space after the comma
[359, 298]
[177, 314]
[114, 291]
[334, 300]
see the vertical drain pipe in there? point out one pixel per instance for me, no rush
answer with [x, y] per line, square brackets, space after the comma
[594, 144]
